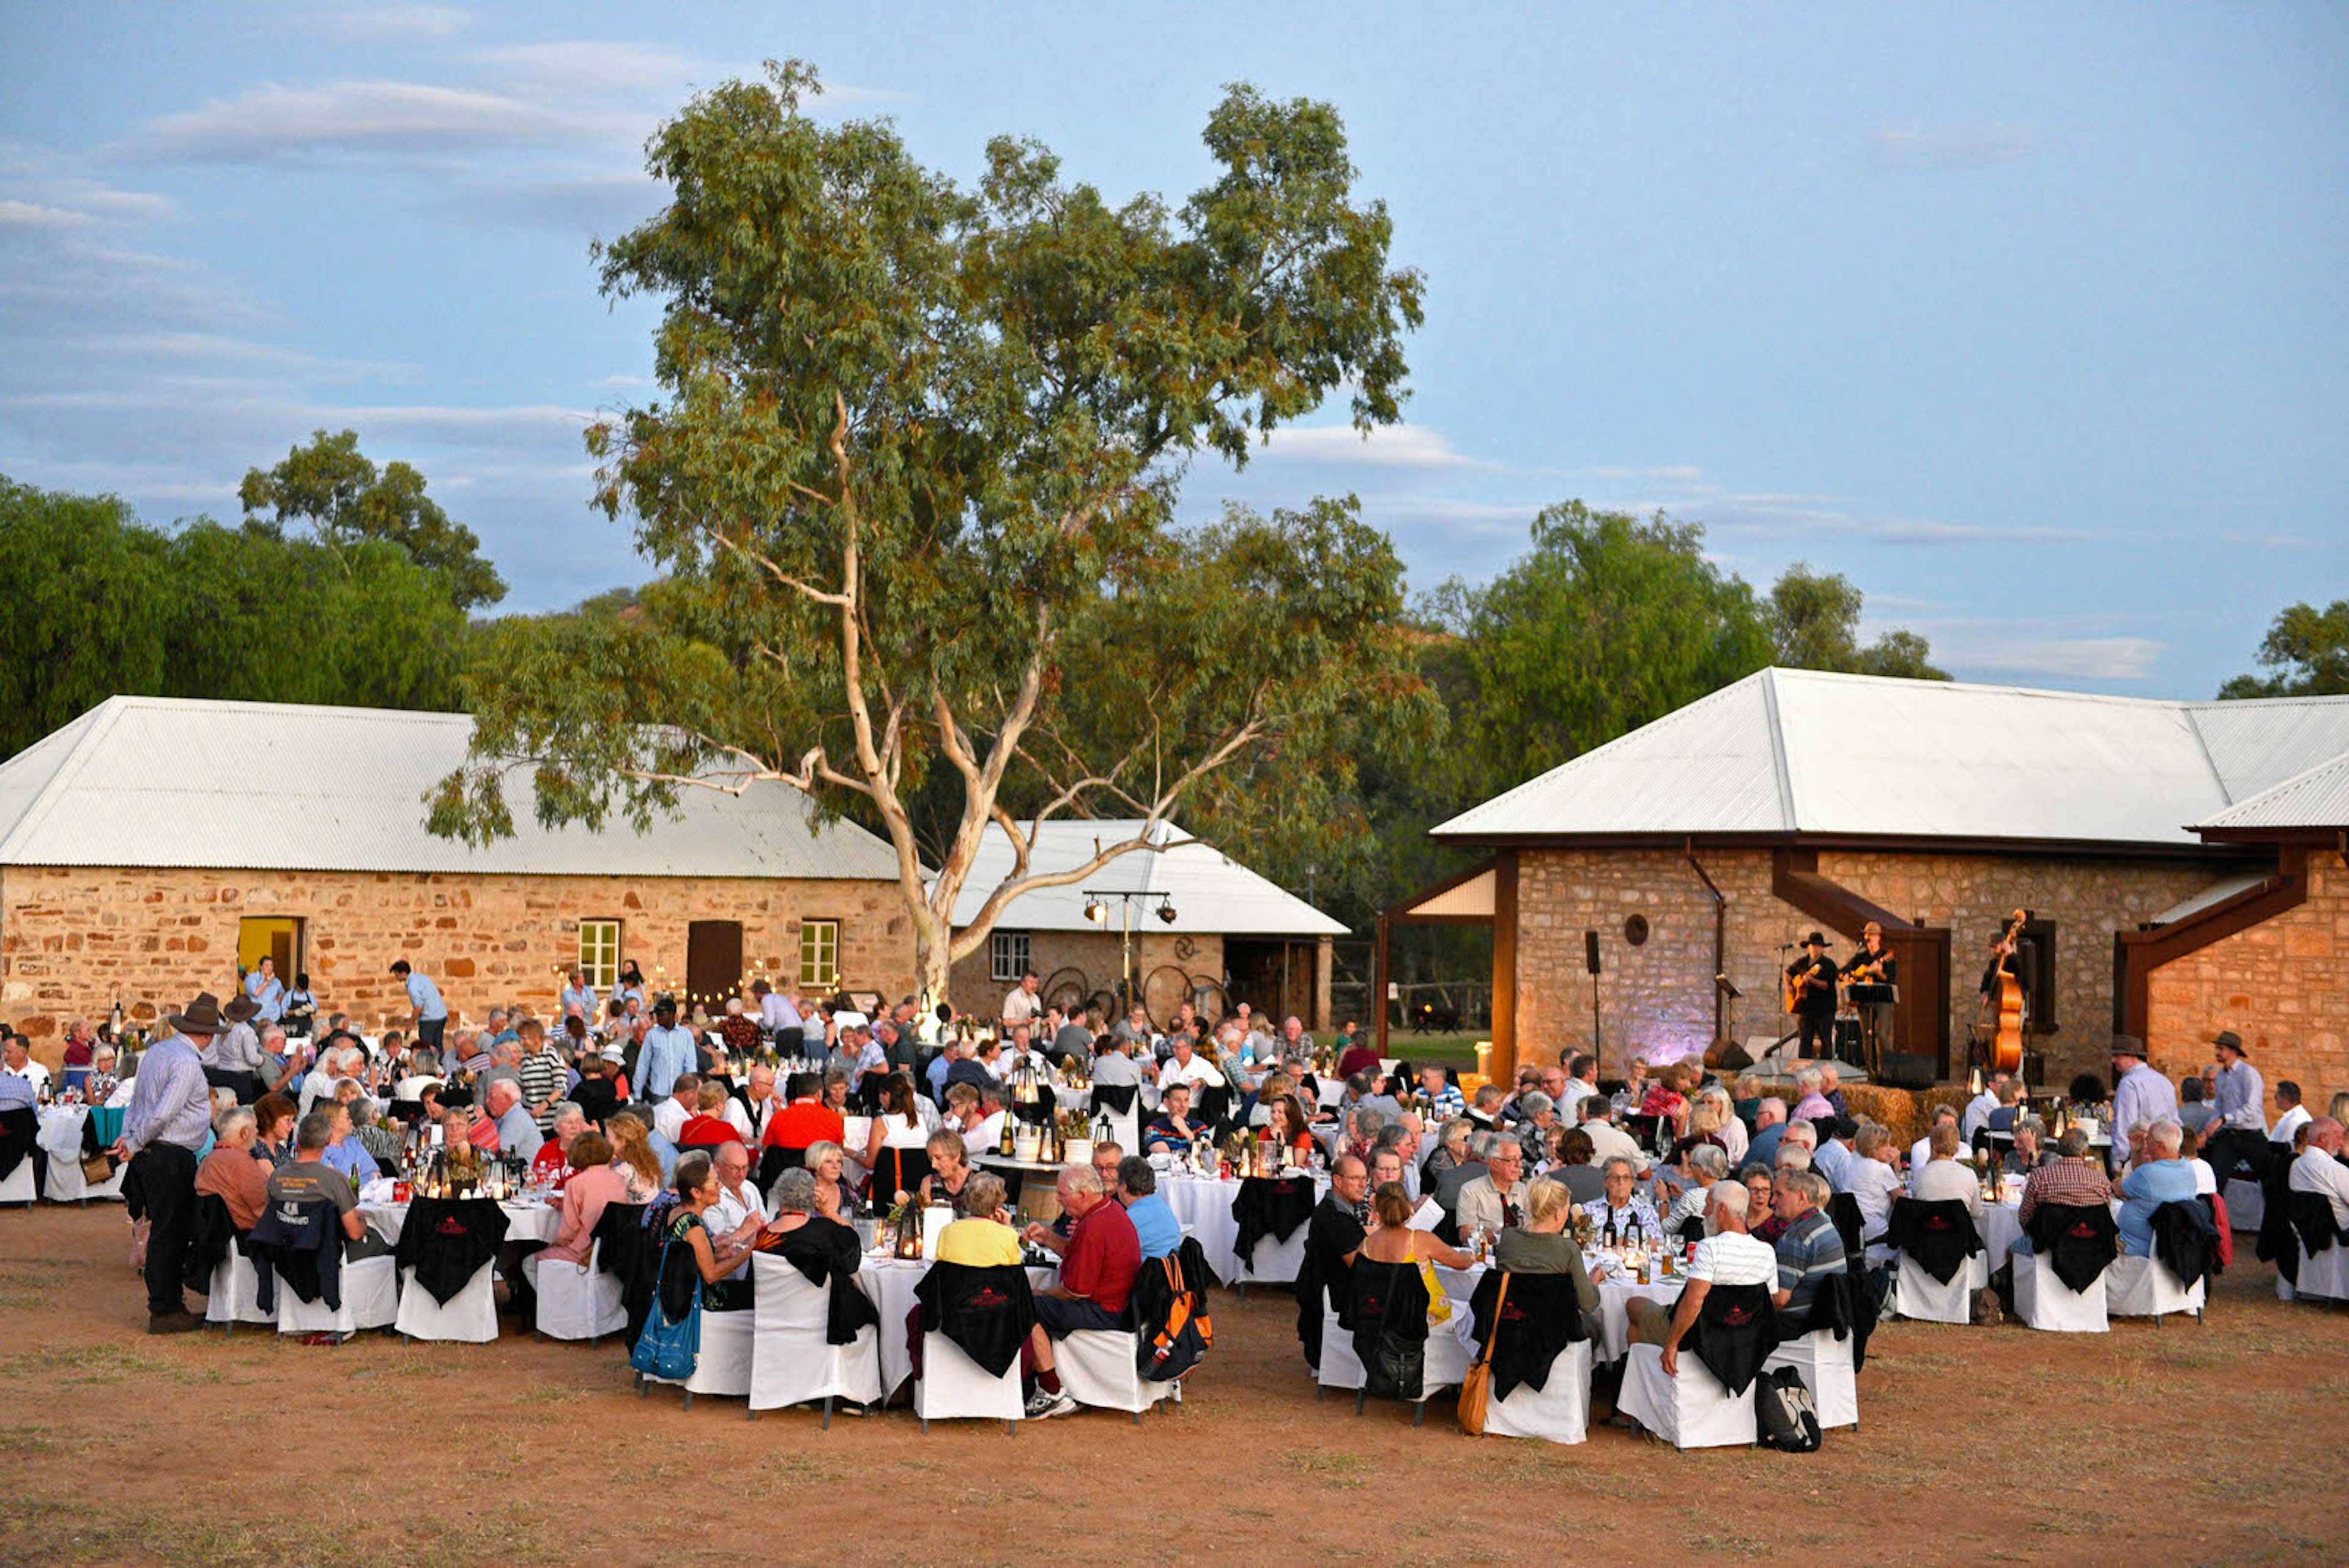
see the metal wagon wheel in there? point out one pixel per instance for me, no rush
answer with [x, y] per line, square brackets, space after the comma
[1164, 990]
[1067, 990]
[1209, 997]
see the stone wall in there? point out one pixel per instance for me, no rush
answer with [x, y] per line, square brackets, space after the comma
[1095, 953]
[2282, 985]
[1660, 994]
[74, 940]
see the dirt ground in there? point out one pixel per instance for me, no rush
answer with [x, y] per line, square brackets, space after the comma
[2181, 1445]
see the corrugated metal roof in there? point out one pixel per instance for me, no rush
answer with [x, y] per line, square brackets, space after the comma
[2218, 892]
[1806, 751]
[157, 781]
[1212, 893]
[2317, 798]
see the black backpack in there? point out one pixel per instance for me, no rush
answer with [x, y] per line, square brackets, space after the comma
[1784, 1415]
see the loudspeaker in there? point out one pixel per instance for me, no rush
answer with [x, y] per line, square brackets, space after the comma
[1590, 951]
[1904, 1069]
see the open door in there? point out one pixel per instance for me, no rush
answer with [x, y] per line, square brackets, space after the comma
[277, 937]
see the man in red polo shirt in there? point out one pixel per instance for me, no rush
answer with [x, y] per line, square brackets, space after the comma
[805, 1120]
[1098, 1263]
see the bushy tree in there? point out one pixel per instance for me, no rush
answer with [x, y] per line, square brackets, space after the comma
[2306, 651]
[348, 503]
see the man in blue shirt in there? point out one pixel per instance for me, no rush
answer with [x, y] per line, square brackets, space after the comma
[1154, 1223]
[268, 992]
[669, 1049]
[2161, 1177]
[167, 1121]
[432, 1013]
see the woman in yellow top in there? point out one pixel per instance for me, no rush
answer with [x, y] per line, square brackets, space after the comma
[983, 1237]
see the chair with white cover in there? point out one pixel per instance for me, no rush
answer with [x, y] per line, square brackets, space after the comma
[576, 1300]
[2246, 1204]
[2144, 1287]
[1103, 1368]
[1558, 1411]
[1340, 1368]
[1939, 1233]
[722, 1366]
[470, 1316]
[1263, 1204]
[370, 1292]
[1275, 1261]
[61, 1143]
[2322, 1274]
[18, 1188]
[952, 1385]
[2042, 1300]
[1824, 1364]
[792, 1361]
[235, 1294]
[2059, 1283]
[1692, 1411]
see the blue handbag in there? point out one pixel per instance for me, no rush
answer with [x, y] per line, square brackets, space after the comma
[669, 1350]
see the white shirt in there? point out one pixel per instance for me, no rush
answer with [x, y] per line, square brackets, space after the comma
[2290, 1122]
[1977, 1115]
[1937, 1182]
[32, 1071]
[1021, 1008]
[739, 1120]
[1607, 1141]
[2317, 1171]
[1575, 1091]
[756, 1115]
[776, 1012]
[670, 1118]
[2206, 1180]
[1733, 1134]
[986, 1135]
[1198, 1070]
[727, 1213]
[1734, 1257]
[1871, 1183]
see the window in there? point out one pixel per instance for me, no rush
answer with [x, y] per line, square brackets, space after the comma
[599, 952]
[1008, 954]
[820, 953]
[2035, 961]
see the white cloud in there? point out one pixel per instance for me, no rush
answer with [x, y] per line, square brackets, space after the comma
[33, 215]
[1387, 446]
[274, 124]
[1968, 147]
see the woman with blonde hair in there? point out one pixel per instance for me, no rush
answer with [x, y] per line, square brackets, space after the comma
[633, 1157]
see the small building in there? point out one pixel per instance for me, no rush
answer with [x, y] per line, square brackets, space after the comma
[1181, 919]
[157, 847]
[1708, 843]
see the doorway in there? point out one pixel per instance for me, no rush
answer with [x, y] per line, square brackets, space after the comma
[713, 963]
[277, 937]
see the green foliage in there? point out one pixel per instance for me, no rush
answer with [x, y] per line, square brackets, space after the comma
[348, 503]
[1815, 625]
[911, 487]
[2307, 649]
[114, 607]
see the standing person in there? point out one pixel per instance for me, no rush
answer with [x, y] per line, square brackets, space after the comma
[1023, 1005]
[1811, 996]
[268, 992]
[2141, 1096]
[301, 1011]
[669, 1049]
[2240, 1111]
[424, 1000]
[170, 1111]
[1873, 964]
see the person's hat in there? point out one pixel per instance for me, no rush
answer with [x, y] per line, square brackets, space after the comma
[2129, 1046]
[2227, 1039]
[1872, 926]
[615, 1054]
[202, 1016]
[241, 1009]
[1816, 939]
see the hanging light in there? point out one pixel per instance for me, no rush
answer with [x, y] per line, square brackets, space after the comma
[1096, 911]
[1166, 911]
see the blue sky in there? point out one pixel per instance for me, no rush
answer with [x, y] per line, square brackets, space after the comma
[2031, 320]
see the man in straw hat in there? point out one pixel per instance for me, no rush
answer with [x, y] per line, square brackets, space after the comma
[170, 1114]
[2240, 1133]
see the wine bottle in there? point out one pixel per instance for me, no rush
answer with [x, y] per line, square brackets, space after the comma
[1004, 1144]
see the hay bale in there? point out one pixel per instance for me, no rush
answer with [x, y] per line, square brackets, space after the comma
[1906, 1111]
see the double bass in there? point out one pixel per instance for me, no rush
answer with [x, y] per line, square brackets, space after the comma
[2003, 1007]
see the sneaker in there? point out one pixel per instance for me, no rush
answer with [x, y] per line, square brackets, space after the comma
[1043, 1406]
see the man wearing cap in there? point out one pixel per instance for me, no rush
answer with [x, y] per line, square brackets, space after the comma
[171, 1114]
[1811, 979]
[234, 1060]
[424, 999]
[669, 1049]
[2241, 1132]
[2141, 1096]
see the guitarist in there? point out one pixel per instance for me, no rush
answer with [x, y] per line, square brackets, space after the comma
[1811, 996]
[1874, 964]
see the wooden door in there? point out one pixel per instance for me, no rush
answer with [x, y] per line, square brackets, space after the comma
[713, 964]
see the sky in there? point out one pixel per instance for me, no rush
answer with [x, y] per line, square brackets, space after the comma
[2028, 319]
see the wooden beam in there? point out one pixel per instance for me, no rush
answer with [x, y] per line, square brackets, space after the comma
[1504, 967]
[2142, 952]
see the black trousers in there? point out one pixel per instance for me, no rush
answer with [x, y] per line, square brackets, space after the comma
[1819, 1028]
[429, 1032]
[166, 1174]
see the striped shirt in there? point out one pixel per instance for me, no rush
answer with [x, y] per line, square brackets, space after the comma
[169, 1101]
[543, 1076]
[1810, 1252]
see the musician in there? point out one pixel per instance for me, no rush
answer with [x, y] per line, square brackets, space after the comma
[1874, 964]
[1811, 979]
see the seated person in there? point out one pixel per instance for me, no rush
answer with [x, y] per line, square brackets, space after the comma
[1391, 1238]
[230, 1172]
[698, 1190]
[2076, 1179]
[516, 1129]
[1623, 1212]
[344, 1152]
[1941, 1177]
[1728, 1256]
[308, 1178]
[709, 1127]
[554, 1164]
[801, 1229]
[1451, 1151]
[2029, 1150]
[950, 1168]
[1154, 1225]
[804, 1121]
[1496, 1199]
[829, 1162]
[594, 1184]
[739, 1213]
[2318, 1167]
[1174, 1130]
[1761, 1191]
[1702, 1165]
[982, 1237]
[1541, 1246]
[1098, 1263]
[1810, 1250]
[2161, 1176]
[1872, 1179]
[683, 1104]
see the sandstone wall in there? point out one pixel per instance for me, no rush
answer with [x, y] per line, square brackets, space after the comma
[1096, 955]
[2282, 985]
[74, 940]
[1660, 994]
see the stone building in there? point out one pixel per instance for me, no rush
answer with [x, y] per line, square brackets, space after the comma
[1180, 919]
[1710, 841]
[155, 847]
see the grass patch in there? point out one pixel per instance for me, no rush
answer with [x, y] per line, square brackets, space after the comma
[1731, 1544]
[1344, 1471]
[98, 1363]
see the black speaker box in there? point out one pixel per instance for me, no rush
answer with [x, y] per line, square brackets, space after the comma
[1903, 1071]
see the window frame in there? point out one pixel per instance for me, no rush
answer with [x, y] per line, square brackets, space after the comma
[600, 981]
[1001, 943]
[817, 927]
[2038, 940]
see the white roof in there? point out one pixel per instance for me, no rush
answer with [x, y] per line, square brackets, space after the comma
[1803, 751]
[2317, 798]
[1211, 892]
[156, 782]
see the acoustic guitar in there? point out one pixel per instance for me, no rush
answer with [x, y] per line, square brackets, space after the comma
[2006, 1001]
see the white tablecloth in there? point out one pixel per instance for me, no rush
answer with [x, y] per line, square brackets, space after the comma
[1204, 1205]
[59, 1140]
[2001, 1225]
[1614, 1310]
[890, 1282]
[526, 1219]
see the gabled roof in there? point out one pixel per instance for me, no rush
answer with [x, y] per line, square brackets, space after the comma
[1211, 892]
[1794, 752]
[2317, 798]
[141, 782]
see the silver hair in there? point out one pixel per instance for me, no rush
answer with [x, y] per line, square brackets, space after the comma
[1712, 1161]
[795, 1192]
[1613, 1160]
[1794, 1157]
[1809, 1183]
[1801, 1134]
[2167, 1135]
[1081, 1178]
[1761, 1112]
[2032, 1124]
[1482, 1144]
[1807, 1079]
[561, 1108]
[1534, 1104]
[1727, 1197]
[229, 1123]
[1458, 1126]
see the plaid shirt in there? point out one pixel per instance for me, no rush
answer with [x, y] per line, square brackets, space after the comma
[2076, 1182]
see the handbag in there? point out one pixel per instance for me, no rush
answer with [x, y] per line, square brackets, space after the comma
[1439, 1305]
[97, 1168]
[669, 1350]
[1477, 1385]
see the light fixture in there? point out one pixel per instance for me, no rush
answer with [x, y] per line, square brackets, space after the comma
[1166, 911]
[1096, 911]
